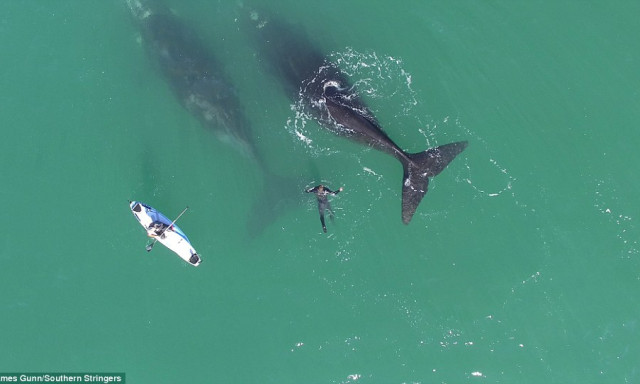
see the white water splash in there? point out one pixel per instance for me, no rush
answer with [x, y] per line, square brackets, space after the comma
[497, 180]
[626, 231]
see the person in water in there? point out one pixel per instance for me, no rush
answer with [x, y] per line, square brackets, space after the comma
[323, 203]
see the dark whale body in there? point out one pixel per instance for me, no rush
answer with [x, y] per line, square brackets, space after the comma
[286, 52]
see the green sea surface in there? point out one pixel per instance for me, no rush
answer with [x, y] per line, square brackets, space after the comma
[521, 265]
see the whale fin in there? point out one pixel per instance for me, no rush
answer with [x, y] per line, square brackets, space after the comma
[419, 168]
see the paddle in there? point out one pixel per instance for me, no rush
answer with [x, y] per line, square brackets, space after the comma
[150, 246]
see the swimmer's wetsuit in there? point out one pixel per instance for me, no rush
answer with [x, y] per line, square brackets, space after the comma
[323, 203]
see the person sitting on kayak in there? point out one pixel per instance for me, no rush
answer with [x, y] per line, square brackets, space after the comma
[157, 228]
[321, 193]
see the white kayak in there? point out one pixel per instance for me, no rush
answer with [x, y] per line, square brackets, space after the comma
[160, 228]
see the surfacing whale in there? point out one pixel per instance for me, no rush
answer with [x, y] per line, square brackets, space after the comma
[305, 72]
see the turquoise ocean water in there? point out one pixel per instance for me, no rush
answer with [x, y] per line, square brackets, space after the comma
[522, 264]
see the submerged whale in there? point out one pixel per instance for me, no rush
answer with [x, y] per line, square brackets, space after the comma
[287, 53]
[198, 81]
[195, 76]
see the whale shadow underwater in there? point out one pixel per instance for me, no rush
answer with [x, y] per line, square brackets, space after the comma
[305, 72]
[198, 81]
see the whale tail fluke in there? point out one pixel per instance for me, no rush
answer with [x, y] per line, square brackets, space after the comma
[419, 168]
